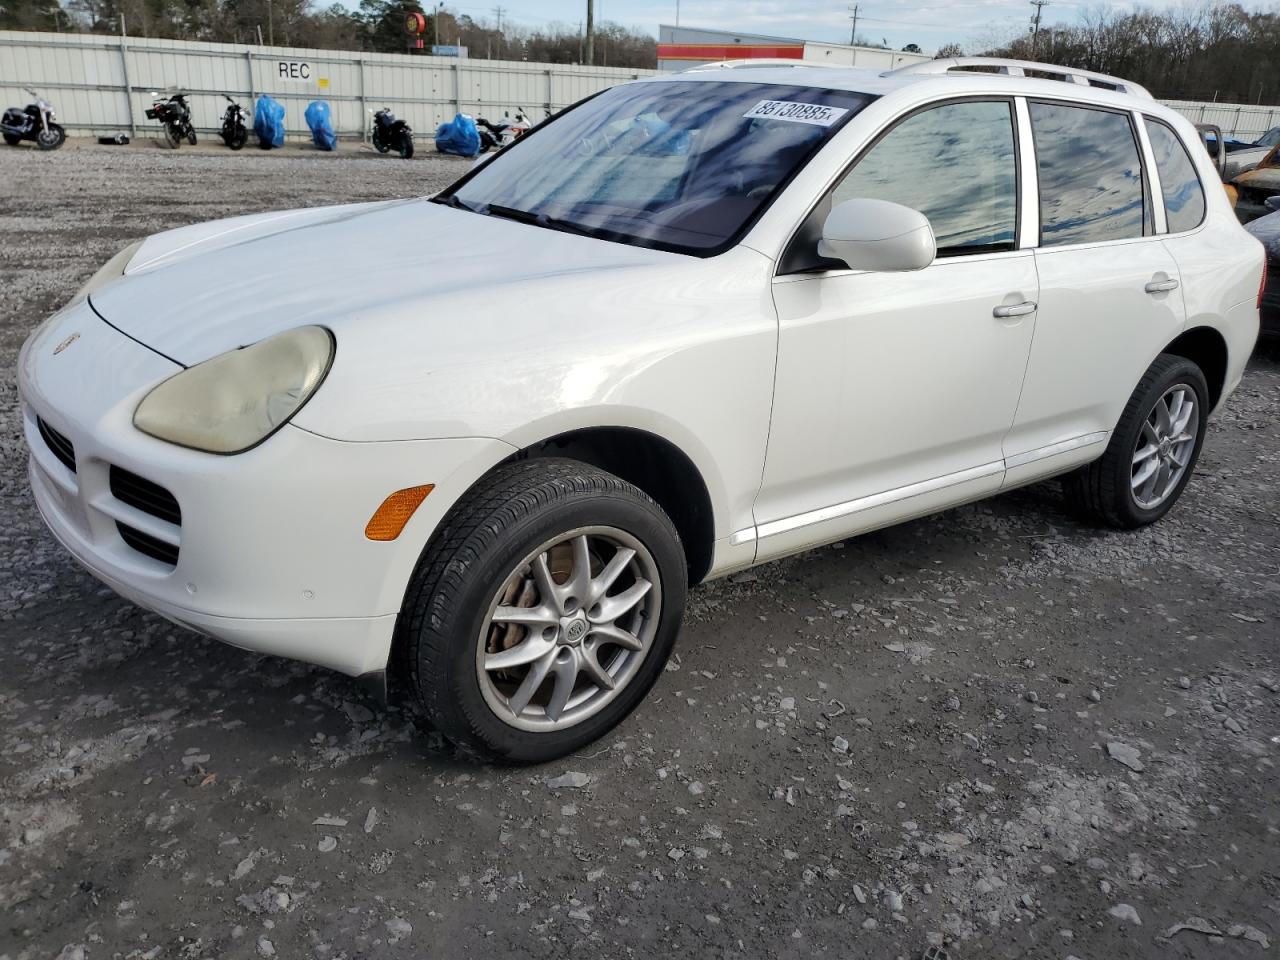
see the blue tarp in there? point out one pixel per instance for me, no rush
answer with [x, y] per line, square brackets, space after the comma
[317, 117]
[459, 136]
[268, 122]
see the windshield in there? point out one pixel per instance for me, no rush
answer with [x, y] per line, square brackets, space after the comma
[683, 166]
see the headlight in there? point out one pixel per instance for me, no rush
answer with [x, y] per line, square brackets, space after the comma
[237, 400]
[113, 269]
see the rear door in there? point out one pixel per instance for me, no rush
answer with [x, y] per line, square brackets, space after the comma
[1109, 290]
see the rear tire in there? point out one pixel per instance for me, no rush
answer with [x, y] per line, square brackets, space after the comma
[12, 139]
[406, 146]
[171, 137]
[483, 562]
[1151, 455]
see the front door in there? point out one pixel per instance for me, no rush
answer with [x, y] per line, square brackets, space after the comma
[894, 391]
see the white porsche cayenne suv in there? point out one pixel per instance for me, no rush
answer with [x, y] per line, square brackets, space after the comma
[746, 311]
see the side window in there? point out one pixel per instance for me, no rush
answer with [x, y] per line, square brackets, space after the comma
[954, 163]
[1090, 175]
[1183, 194]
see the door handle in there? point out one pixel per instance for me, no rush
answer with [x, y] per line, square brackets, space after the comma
[1161, 286]
[1015, 310]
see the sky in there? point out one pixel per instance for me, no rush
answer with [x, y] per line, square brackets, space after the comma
[897, 23]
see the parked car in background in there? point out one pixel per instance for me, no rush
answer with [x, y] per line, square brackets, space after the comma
[753, 318]
[1267, 230]
[1242, 156]
[1255, 187]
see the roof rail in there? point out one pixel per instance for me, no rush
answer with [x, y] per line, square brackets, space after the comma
[745, 62]
[1019, 68]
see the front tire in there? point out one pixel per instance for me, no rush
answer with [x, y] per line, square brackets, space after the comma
[1152, 451]
[543, 610]
[52, 138]
[191, 136]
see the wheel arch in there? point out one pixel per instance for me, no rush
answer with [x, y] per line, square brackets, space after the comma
[1206, 347]
[657, 466]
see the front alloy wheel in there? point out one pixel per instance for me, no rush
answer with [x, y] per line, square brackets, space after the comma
[569, 629]
[542, 611]
[52, 138]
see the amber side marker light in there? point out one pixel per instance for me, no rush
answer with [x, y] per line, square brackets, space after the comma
[389, 519]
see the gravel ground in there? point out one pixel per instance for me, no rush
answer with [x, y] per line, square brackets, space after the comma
[994, 731]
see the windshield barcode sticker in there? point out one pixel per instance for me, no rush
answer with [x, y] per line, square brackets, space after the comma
[814, 113]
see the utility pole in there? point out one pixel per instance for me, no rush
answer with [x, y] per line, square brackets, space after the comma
[589, 55]
[497, 12]
[853, 30]
[1035, 23]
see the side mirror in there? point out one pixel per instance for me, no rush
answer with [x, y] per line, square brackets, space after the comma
[1272, 203]
[877, 235]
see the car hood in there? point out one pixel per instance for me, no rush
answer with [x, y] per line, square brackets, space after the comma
[198, 291]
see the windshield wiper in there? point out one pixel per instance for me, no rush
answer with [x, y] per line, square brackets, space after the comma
[537, 219]
[453, 201]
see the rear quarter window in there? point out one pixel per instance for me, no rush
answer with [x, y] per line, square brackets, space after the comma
[1179, 184]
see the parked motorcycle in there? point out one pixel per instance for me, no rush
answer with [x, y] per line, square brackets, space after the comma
[503, 133]
[175, 118]
[234, 131]
[392, 134]
[33, 122]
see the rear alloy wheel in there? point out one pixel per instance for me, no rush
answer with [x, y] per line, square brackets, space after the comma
[1152, 451]
[543, 610]
[1163, 450]
[171, 137]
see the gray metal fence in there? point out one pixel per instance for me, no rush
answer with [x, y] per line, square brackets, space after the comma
[102, 84]
[1240, 120]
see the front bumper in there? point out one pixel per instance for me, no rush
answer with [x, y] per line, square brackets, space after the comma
[269, 551]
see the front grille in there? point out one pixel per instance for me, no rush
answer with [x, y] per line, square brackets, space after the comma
[148, 545]
[150, 498]
[58, 445]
